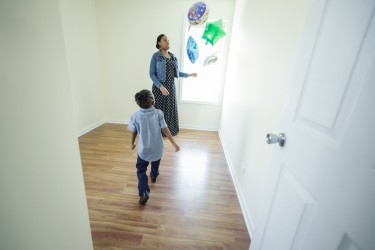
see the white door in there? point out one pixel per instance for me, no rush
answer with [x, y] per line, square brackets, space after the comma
[322, 182]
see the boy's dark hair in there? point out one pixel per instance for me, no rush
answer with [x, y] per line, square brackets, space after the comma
[158, 40]
[144, 98]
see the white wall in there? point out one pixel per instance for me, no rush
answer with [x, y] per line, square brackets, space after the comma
[264, 46]
[82, 53]
[42, 194]
[127, 37]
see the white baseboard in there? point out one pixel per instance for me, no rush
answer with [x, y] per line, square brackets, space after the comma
[117, 121]
[99, 123]
[241, 198]
[198, 127]
[185, 126]
[181, 125]
[91, 127]
[105, 120]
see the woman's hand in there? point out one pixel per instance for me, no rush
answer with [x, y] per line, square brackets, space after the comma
[132, 146]
[192, 75]
[164, 91]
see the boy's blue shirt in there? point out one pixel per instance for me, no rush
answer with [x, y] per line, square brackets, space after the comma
[148, 124]
[158, 68]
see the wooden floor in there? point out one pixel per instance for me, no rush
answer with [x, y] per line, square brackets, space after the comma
[192, 205]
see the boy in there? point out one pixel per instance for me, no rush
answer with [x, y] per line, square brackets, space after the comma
[148, 123]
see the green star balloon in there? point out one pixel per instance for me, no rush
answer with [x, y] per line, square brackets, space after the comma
[213, 32]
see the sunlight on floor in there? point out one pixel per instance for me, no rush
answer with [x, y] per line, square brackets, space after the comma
[194, 166]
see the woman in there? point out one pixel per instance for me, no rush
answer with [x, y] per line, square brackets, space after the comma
[163, 70]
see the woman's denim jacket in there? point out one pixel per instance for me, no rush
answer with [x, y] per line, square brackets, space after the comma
[158, 68]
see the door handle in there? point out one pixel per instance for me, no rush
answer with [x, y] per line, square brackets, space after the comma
[280, 139]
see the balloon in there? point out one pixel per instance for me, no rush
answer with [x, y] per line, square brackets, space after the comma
[210, 60]
[192, 49]
[213, 32]
[198, 13]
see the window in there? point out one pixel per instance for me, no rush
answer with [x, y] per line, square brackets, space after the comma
[207, 87]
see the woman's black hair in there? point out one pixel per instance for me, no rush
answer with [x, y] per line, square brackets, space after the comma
[144, 98]
[158, 40]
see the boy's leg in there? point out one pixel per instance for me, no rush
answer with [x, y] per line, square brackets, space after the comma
[154, 170]
[142, 176]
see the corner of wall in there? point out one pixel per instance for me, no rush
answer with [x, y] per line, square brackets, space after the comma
[100, 123]
[91, 127]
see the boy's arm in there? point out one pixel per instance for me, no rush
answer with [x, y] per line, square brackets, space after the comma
[169, 136]
[134, 135]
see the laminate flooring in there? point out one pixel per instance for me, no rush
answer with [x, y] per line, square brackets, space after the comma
[192, 205]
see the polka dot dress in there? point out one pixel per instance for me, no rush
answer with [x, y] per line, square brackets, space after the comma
[168, 104]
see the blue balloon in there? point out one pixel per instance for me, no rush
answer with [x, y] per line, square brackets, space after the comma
[192, 50]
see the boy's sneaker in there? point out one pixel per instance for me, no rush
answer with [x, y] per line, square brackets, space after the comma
[153, 177]
[144, 198]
